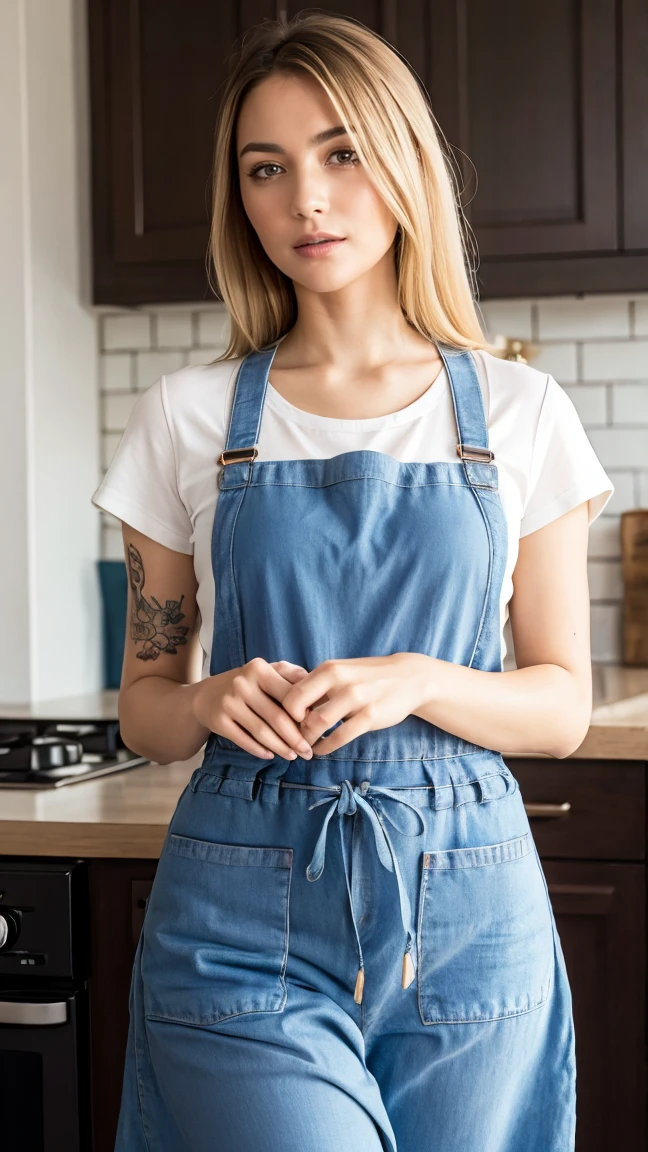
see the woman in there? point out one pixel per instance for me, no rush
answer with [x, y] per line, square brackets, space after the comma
[351, 533]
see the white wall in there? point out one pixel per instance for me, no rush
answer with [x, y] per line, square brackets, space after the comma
[49, 443]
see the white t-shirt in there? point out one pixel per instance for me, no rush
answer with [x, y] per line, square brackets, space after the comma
[162, 478]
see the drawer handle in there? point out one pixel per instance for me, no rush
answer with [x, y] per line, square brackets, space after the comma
[548, 811]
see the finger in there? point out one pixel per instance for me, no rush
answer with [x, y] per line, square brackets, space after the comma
[239, 736]
[277, 682]
[278, 719]
[292, 673]
[308, 691]
[355, 726]
[340, 706]
[249, 713]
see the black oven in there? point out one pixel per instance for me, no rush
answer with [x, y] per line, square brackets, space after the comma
[44, 1034]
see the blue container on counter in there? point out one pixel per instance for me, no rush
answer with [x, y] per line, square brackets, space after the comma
[114, 596]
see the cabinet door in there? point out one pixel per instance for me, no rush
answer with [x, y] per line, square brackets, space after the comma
[635, 124]
[156, 70]
[600, 912]
[526, 94]
[118, 892]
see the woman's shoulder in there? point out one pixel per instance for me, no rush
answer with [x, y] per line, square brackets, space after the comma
[197, 387]
[512, 376]
[514, 393]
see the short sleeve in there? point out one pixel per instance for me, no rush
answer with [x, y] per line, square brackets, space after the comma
[564, 470]
[140, 486]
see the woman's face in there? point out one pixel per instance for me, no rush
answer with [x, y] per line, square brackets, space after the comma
[299, 176]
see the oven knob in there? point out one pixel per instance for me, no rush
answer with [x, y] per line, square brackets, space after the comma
[9, 929]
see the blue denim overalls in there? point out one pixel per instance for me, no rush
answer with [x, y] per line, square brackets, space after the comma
[356, 952]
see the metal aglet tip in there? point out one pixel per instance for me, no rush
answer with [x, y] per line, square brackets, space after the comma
[359, 986]
[408, 970]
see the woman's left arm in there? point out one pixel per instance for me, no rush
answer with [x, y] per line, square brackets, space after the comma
[545, 703]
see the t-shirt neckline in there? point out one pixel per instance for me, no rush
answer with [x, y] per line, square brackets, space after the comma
[424, 403]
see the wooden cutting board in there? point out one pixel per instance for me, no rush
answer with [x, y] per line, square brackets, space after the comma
[634, 559]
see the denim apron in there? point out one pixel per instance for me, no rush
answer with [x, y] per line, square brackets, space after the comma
[356, 951]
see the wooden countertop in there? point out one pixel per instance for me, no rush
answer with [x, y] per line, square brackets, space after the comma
[127, 815]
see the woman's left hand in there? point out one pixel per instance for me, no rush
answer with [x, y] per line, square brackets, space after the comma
[368, 693]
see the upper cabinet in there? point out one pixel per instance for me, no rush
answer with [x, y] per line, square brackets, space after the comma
[545, 106]
[156, 69]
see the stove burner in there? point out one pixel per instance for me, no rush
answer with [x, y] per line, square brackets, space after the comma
[49, 753]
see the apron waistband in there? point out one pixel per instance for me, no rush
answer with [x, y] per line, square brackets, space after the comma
[455, 783]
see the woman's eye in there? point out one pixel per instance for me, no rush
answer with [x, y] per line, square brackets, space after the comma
[345, 152]
[256, 173]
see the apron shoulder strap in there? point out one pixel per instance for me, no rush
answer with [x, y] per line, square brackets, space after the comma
[241, 444]
[472, 430]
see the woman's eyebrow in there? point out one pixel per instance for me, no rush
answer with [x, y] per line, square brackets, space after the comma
[320, 138]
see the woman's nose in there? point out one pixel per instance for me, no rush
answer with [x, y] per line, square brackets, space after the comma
[310, 193]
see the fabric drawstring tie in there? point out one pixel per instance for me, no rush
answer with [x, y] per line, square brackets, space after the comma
[347, 804]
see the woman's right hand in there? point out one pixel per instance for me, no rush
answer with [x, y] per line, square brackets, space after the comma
[244, 705]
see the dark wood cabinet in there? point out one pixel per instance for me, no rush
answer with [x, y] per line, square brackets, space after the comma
[527, 95]
[156, 67]
[545, 106]
[588, 819]
[118, 891]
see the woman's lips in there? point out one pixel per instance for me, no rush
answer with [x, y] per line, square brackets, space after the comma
[318, 250]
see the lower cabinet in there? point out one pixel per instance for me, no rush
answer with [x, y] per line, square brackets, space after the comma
[588, 819]
[118, 891]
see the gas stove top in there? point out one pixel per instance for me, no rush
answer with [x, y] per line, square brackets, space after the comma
[51, 753]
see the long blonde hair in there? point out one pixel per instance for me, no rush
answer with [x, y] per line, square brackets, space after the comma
[396, 137]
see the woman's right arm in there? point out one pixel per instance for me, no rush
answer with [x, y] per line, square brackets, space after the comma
[166, 711]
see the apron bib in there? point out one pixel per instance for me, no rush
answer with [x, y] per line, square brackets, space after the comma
[359, 555]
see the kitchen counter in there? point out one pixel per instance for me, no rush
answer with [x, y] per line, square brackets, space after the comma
[126, 815]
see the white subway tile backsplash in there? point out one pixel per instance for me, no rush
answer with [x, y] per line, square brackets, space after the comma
[606, 633]
[590, 402]
[213, 328]
[643, 490]
[151, 365]
[620, 447]
[174, 330]
[112, 543]
[109, 442]
[512, 318]
[559, 361]
[630, 404]
[128, 330]
[593, 317]
[605, 580]
[116, 372]
[116, 408]
[616, 360]
[203, 355]
[604, 538]
[624, 495]
[641, 317]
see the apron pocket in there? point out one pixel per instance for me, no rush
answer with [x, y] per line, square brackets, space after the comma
[485, 933]
[215, 939]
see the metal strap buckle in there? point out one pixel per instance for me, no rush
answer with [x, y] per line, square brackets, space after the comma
[472, 452]
[238, 455]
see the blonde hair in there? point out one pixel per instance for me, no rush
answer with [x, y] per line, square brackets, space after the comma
[396, 137]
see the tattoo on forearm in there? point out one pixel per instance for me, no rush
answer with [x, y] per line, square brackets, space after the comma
[157, 627]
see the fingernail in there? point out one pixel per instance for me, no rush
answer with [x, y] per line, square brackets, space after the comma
[292, 755]
[305, 749]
